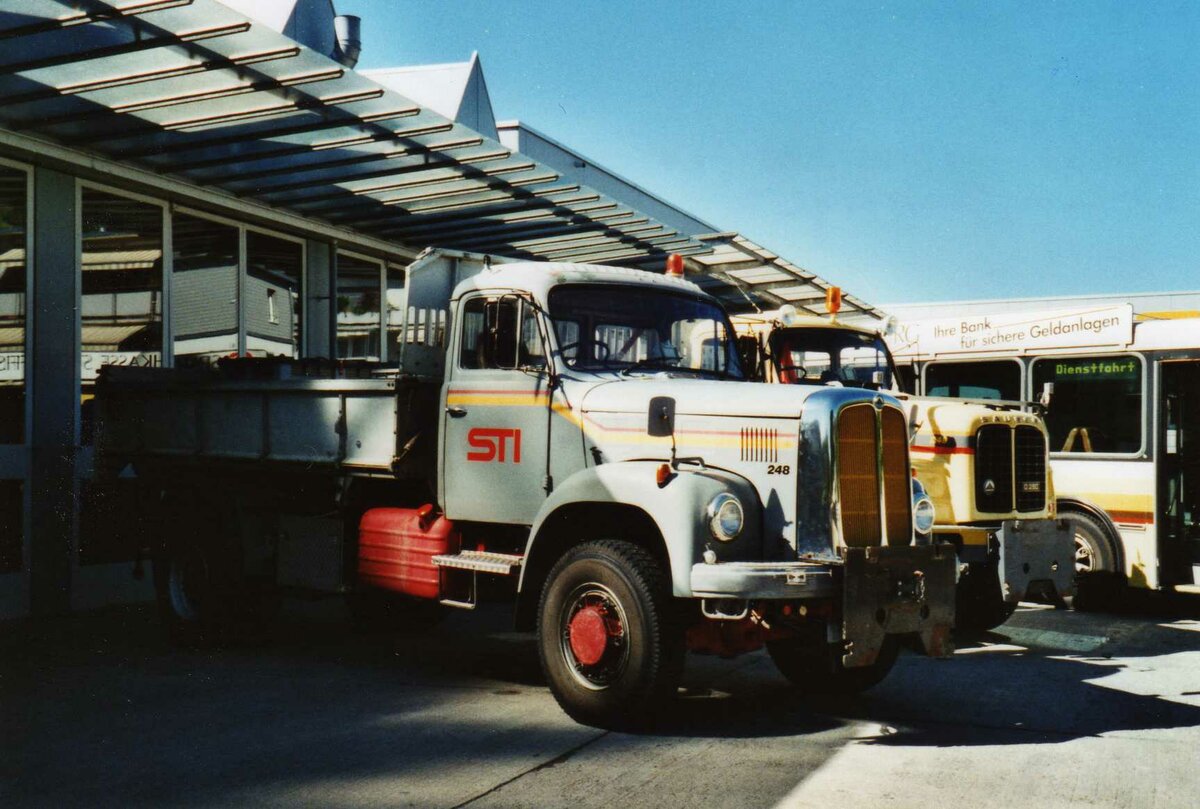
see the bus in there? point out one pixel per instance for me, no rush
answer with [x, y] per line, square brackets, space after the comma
[1121, 400]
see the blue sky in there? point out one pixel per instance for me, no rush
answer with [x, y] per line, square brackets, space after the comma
[908, 151]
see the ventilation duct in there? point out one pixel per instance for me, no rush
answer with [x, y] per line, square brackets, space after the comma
[347, 28]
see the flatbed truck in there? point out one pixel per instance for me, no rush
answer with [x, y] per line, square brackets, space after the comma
[578, 437]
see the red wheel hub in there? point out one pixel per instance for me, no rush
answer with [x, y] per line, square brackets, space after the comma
[589, 635]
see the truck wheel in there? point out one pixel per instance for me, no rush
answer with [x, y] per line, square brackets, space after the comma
[817, 667]
[979, 602]
[192, 602]
[1097, 580]
[609, 647]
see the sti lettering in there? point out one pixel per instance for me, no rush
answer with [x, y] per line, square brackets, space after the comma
[491, 444]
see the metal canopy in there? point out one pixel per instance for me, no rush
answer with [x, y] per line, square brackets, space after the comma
[193, 90]
[747, 278]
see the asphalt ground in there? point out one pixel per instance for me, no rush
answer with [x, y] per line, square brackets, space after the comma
[1054, 709]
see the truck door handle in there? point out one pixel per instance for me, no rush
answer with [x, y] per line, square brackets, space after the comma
[456, 412]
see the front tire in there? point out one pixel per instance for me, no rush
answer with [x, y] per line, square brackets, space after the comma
[816, 666]
[610, 648]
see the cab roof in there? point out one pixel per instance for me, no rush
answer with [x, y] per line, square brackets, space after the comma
[538, 277]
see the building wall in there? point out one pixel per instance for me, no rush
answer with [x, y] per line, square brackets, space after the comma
[68, 539]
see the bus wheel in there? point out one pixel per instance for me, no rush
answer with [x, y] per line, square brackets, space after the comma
[609, 648]
[817, 666]
[1097, 580]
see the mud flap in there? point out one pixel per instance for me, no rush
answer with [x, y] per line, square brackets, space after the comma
[897, 591]
[1036, 557]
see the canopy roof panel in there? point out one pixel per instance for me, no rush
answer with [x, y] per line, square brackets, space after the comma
[747, 277]
[194, 90]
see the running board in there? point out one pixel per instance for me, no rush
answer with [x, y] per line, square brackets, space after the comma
[1189, 589]
[498, 564]
[474, 562]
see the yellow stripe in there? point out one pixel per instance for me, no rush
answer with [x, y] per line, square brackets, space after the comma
[594, 430]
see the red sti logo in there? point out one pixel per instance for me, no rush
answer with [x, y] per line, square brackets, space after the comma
[491, 443]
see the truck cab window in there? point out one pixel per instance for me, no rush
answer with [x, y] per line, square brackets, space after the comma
[615, 328]
[817, 356]
[492, 338]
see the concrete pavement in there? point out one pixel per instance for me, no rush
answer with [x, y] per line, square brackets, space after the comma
[1054, 709]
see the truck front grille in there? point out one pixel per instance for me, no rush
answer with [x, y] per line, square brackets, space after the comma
[1010, 469]
[993, 468]
[863, 486]
[1030, 474]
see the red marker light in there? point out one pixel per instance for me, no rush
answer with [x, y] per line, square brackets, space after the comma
[675, 265]
[662, 475]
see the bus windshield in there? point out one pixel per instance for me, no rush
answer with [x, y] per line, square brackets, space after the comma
[818, 356]
[631, 329]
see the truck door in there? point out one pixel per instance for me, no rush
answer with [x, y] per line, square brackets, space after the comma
[496, 413]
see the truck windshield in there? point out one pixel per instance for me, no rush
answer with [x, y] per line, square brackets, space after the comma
[816, 356]
[630, 328]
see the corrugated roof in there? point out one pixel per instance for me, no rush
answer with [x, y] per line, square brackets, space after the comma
[193, 89]
[747, 277]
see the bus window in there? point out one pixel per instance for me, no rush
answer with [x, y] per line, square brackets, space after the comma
[998, 379]
[1097, 403]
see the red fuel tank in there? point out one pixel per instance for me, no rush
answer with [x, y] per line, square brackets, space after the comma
[396, 547]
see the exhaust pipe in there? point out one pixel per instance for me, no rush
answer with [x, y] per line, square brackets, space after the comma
[347, 29]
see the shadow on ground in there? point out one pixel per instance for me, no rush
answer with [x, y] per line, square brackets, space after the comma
[99, 709]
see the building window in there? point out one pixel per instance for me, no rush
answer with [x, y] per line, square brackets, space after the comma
[121, 288]
[396, 299]
[14, 207]
[359, 316]
[204, 289]
[274, 267]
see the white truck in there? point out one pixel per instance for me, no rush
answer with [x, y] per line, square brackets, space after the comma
[581, 436]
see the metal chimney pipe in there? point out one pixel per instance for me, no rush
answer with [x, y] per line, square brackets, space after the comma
[347, 29]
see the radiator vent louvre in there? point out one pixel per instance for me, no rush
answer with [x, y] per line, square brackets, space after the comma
[760, 444]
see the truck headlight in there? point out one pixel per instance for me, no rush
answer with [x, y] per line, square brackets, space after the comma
[924, 513]
[725, 517]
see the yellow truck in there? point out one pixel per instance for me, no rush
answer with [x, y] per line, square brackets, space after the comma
[982, 463]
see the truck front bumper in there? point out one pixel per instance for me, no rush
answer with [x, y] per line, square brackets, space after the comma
[1036, 556]
[905, 590]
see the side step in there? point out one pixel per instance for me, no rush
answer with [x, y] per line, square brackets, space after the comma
[476, 562]
[499, 564]
[1189, 589]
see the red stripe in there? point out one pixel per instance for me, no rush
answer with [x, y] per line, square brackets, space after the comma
[1133, 517]
[945, 450]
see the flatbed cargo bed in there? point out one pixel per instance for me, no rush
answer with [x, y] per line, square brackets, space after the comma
[269, 412]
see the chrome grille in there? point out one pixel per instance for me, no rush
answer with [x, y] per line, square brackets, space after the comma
[864, 485]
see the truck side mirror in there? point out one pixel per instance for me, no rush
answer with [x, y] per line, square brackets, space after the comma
[749, 355]
[660, 421]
